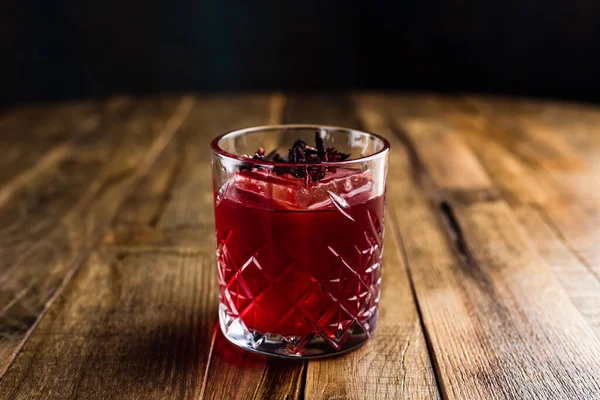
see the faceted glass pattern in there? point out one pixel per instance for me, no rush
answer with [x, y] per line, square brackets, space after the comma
[299, 266]
[299, 275]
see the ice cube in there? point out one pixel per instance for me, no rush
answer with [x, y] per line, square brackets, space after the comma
[263, 188]
[350, 185]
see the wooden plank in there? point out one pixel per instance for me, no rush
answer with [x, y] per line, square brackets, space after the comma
[572, 175]
[484, 293]
[565, 194]
[237, 374]
[559, 191]
[394, 363]
[575, 123]
[578, 218]
[47, 129]
[562, 194]
[442, 154]
[54, 220]
[533, 146]
[523, 291]
[575, 224]
[519, 182]
[570, 269]
[28, 213]
[542, 144]
[138, 321]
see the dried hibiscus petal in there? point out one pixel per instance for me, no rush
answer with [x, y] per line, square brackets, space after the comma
[301, 153]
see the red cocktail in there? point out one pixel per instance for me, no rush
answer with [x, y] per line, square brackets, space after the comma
[299, 263]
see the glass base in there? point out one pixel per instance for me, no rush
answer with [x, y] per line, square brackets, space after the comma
[312, 346]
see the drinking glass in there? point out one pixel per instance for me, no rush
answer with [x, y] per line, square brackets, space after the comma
[299, 246]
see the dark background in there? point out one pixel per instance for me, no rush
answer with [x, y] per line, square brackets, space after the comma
[73, 48]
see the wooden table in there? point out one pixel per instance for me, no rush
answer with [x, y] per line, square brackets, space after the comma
[492, 262]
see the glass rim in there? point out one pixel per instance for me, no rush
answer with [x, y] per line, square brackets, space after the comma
[216, 149]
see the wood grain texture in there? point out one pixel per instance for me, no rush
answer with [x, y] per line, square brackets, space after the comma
[237, 374]
[554, 191]
[543, 147]
[48, 129]
[572, 272]
[54, 219]
[483, 291]
[395, 363]
[491, 270]
[543, 185]
[140, 315]
[577, 212]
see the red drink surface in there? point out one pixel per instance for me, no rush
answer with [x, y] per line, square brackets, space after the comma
[295, 260]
